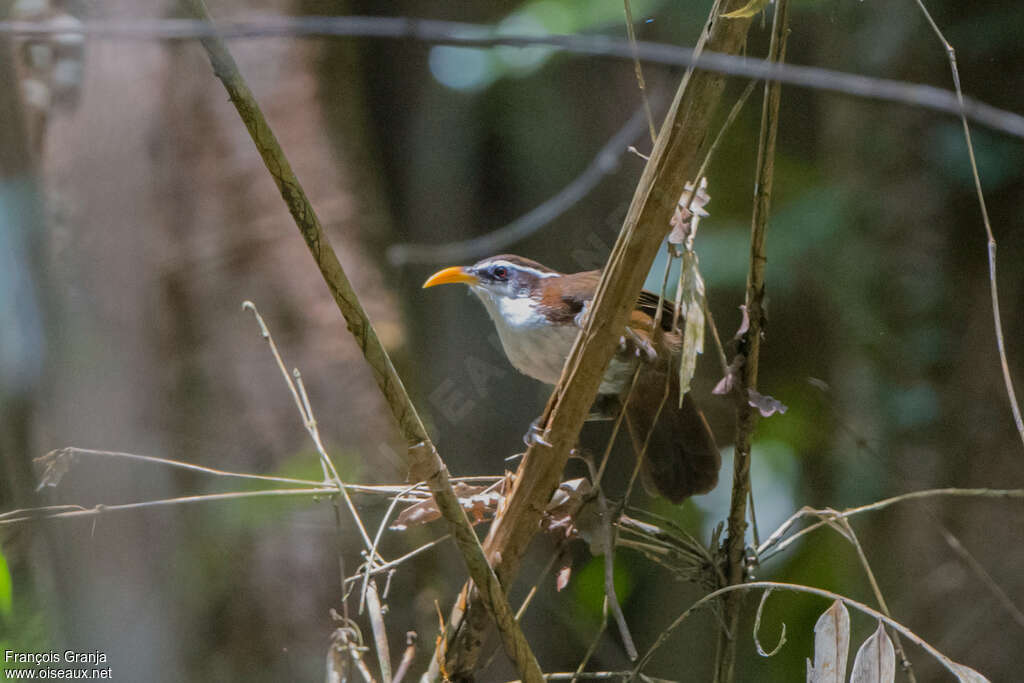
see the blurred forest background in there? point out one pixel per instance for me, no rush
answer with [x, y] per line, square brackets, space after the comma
[136, 216]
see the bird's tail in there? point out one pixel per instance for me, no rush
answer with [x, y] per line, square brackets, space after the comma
[681, 458]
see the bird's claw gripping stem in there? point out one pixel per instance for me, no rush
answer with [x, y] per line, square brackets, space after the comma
[535, 434]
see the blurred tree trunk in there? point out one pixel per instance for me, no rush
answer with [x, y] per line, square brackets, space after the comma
[20, 315]
[163, 220]
[22, 348]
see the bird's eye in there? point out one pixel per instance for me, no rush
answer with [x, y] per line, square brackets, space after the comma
[501, 272]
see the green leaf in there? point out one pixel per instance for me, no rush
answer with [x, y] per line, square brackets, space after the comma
[748, 10]
[6, 588]
[588, 584]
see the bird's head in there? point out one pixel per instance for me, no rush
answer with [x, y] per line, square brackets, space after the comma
[505, 276]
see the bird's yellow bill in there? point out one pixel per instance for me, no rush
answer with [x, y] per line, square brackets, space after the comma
[450, 275]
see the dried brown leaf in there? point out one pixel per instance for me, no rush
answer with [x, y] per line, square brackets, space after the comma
[690, 300]
[766, 405]
[479, 502]
[416, 514]
[744, 322]
[55, 465]
[831, 645]
[731, 377]
[688, 213]
[560, 516]
[876, 659]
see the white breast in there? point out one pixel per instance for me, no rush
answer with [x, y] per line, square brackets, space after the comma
[539, 349]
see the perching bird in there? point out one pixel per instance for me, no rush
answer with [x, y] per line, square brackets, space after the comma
[538, 312]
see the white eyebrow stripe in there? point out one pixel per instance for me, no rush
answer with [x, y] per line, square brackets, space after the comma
[521, 268]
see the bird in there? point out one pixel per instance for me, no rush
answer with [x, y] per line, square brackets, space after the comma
[538, 312]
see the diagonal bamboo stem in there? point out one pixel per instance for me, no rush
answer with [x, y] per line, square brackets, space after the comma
[421, 456]
[677, 154]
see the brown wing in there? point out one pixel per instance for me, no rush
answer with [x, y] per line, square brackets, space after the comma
[566, 296]
[577, 289]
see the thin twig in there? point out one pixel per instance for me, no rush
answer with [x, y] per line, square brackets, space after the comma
[972, 563]
[609, 576]
[39, 513]
[750, 348]
[610, 534]
[776, 543]
[692, 545]
[753, 518]
[605, 162]
[699, 177]
[370, 562]
[586, 676]
[344, 642]
[701, 174]
[876, 589]
[533, 589]
[380, 634]
[407, 657]
[592, 648]
[483, 35]
[953, 667]
[734, 112]
[641, 83]
[33, 514]
[979, 570]
[388, 566]
[305, 408]
[340, 554]
[757, 629]
[74, 450]
[330, 471]
[527, 601]
[723, 362]
[597, 477]
[993, 288]
[421, 456]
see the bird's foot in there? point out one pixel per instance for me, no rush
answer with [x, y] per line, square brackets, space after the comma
[639, 344]
[535, 434]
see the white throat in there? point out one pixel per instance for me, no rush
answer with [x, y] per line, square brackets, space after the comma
[536, 347]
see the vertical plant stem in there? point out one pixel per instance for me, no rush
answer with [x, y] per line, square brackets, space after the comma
[421, 456]
[641, 83]
[991, 240]
[750, 347]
